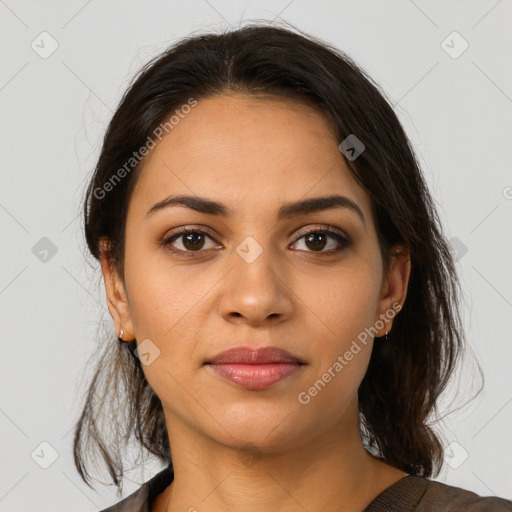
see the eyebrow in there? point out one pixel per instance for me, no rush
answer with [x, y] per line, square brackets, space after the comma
[287, 211]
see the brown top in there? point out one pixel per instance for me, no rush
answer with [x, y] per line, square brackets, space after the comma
[411, 493]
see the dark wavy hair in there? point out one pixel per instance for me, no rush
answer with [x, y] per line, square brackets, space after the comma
[409, 371]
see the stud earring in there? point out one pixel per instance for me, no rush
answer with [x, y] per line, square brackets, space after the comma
[120, 338]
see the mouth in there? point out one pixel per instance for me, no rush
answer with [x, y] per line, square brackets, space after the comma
[255, 370]
[246, 355]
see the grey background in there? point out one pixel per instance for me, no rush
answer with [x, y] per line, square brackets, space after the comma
[457, 110]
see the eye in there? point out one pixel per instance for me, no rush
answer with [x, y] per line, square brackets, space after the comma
[318, 239]
[191, 239]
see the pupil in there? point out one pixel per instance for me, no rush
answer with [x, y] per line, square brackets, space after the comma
[314, 236]
[192, 237]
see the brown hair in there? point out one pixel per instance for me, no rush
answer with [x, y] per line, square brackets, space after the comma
[408, 372]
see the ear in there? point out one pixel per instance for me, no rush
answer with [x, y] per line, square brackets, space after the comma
[117, 299]
[394, 287]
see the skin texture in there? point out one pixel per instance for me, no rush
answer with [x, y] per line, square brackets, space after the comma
[254, 155]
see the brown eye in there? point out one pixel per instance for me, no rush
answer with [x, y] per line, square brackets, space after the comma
[317, 240]
[191, 240]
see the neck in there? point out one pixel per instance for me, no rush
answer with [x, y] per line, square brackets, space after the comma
[330, 471]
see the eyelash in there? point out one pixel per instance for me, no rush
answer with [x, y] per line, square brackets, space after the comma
[342, 240]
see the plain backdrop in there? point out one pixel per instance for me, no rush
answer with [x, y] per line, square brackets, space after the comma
[445, 65]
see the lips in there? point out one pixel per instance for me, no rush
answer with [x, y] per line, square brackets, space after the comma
[246, 355]
[255, 370]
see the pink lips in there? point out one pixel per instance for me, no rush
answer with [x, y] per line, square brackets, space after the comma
[255, 369]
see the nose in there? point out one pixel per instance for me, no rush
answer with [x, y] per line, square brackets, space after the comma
[255, 292]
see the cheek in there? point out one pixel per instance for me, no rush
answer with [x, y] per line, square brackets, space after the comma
[341, 308]
[165, 302]
[344, 302]
[161, 295]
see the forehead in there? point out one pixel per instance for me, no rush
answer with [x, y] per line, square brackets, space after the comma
[249, 153]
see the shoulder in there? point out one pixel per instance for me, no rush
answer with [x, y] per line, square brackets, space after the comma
[422, 495]
[142, 499]
[455, 498]
[136, 502]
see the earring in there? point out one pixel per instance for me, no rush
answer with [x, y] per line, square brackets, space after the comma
[386, 336]
[120, 338]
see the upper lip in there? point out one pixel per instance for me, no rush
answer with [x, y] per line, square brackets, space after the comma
[247, 355]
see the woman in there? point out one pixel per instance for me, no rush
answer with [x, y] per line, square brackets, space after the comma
[286, 302]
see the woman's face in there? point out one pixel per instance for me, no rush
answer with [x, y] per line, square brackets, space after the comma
[257, 278]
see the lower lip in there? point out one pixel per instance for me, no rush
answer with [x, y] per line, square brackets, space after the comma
[255, 377]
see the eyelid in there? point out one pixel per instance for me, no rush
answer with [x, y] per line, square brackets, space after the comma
[342, 238]
[300, 232]
[321, 227]
[182, 230]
